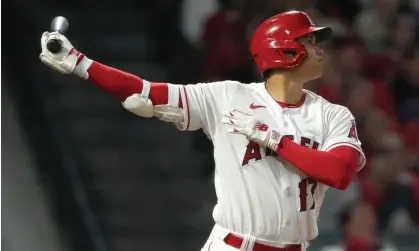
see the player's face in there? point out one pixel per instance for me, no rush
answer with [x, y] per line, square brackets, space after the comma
[313, 65]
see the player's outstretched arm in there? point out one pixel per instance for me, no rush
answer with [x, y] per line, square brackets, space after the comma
[137, 95]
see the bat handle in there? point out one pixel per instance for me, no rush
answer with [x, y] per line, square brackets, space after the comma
[54, 45]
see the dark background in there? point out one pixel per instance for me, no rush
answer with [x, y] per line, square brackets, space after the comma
[113, 181]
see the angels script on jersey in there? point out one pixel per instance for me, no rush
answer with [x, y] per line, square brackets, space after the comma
[306, 185]
[253, 152]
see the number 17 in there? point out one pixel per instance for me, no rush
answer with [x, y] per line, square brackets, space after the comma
[303, 193]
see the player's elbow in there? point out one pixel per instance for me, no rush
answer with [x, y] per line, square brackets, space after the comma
[347, 176]
[344, 183]
[346, 167]
[341, 182]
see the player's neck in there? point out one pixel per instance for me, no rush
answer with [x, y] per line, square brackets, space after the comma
[284, 89]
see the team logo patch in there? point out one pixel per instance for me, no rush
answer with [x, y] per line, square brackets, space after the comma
[352, 131]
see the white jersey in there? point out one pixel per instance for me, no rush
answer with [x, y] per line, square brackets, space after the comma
[260, 194]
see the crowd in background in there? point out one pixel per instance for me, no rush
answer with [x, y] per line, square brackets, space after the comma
[373, 69]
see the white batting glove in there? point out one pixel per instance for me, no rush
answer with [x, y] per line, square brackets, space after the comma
[168, 113]
[68, 60]
[254, 130]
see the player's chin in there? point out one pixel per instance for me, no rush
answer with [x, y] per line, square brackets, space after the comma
[317, 72]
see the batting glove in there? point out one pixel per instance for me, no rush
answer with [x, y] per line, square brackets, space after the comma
[68, 60]
[254, 130]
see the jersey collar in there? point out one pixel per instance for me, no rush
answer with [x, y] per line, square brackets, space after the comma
[266, 96]
[299, 104]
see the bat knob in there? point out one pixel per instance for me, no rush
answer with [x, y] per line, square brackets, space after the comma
[59, 24]
[54, 45]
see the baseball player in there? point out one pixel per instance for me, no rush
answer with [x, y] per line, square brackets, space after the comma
[277, 146]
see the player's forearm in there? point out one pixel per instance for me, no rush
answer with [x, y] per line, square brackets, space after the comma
[121, 84]
[335, 168]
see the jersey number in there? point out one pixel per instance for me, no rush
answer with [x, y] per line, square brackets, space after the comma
[303, 186]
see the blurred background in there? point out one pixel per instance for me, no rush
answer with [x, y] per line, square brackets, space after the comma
[81, 173]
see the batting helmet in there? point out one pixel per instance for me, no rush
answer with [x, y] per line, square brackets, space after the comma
[274, 40]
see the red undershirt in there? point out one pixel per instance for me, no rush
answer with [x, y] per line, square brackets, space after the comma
[335, 168]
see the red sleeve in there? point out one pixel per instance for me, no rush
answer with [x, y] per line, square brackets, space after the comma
[121, 84]
[335, 168]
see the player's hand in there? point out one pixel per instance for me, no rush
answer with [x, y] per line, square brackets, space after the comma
[64, 61]
[254, 130]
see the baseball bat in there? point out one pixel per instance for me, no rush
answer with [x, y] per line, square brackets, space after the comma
[58, 24]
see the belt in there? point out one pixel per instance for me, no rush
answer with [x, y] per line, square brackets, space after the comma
[236, 242]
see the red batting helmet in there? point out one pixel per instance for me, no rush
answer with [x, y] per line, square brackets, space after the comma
[276, 36]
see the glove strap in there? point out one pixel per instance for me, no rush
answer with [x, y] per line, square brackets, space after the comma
[274, 140]
[79, 55]
[83, 63]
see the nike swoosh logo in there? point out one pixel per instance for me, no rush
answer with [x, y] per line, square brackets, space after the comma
[253, 106]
